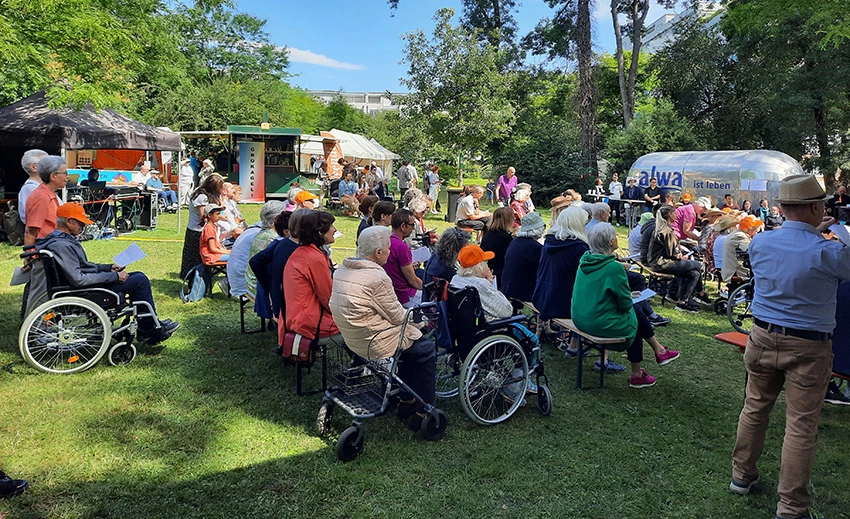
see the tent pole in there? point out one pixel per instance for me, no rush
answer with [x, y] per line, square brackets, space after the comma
[179, 192]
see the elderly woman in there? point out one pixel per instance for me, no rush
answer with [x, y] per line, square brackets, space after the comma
[262, 302]
[371, 320]
[240, 254]
[497, 238]
[442, 264]
[739, 241]
[602, 305]
[518, 205]
[419, 237]
[308, 281]
[523, 259]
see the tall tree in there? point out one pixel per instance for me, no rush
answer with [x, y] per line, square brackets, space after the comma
[496, 24]
[636, 12]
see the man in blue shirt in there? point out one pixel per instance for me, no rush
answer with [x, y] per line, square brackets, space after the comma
[796, 274]
[155, 184]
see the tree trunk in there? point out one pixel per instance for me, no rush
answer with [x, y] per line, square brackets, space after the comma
[621, 74]
[587, 102]
[639, 12]
[825, 163]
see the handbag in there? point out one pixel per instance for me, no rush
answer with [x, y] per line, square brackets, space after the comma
[299, 349]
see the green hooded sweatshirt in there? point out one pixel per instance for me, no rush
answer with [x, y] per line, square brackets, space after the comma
[602, 301]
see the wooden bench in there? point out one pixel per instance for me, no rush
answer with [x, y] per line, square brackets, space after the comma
[219, 268]
[656, 281]
[471, 231]
[592, 342]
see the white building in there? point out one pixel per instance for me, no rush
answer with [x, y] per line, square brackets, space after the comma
[662, 31]
[367, 102]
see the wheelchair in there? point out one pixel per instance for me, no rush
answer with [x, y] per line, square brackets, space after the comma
[738, 305]
[367, 388]
[74, 328]
[486, 364]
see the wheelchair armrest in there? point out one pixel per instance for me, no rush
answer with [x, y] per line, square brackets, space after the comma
[501, 323]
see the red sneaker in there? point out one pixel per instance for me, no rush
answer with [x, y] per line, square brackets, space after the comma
[644, 380]
[666, 357]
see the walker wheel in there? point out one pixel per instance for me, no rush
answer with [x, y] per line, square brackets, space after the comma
[544, 400]
[350, 443]
[323, 421]
[434, 425]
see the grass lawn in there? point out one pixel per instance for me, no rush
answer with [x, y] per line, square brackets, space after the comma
[211, 427]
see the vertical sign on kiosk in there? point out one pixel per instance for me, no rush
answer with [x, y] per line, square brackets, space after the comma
[333, 153]
[252, 171]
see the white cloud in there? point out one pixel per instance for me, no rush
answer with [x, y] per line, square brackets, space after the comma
[306, 56]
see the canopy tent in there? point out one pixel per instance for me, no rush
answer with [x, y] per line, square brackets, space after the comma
[359, 147]
[31, 123]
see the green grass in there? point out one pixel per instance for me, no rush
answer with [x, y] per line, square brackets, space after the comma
[210, 427]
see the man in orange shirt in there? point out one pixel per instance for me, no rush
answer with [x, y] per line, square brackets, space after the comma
[43, 203]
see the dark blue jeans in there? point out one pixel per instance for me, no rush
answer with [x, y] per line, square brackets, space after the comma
[137, 288]
[644, 331]
[418, 369]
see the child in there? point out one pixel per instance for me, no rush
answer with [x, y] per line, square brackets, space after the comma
[211, 249]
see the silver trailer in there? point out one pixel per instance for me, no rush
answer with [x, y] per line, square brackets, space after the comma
[745, 174]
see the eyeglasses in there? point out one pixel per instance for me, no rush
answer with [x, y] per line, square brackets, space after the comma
[409, 224]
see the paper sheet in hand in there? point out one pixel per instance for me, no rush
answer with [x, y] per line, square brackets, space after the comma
[646, 294]
[337, 235]
[841, 232]
[129, 255]
[422, 254]
[19, 277]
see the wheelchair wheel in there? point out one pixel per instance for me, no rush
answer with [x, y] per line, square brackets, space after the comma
[65, 335]
[720, 306]
[121, 353]
[493, 380]
[434, 425]
[350, 443]
[446, 375]
[739, 308]
[544, 400]
[323, 421]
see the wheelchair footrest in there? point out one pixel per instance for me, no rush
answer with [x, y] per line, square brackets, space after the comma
[365, 403]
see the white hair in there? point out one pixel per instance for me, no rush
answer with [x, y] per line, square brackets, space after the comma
[598, 208]
[570, 224]
[601, 238]
[372, 239]
[418, 204]
[522, 194]
[270, 211]
[32, 157]
[479, 270]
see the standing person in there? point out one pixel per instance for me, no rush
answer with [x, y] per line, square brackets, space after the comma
[728, 201]
[186, 179]
[506, 185]
[763, 210]
[497, 238]
[468, 213]
[790, 345]
[195, 164]
[399, 265]
[652, 195]
[616, 190]
[43, 203]
[209, 192]
[403, 176]
[597, 192]
[434, 183]
[206, 171]
[632, 192]
[30, 164]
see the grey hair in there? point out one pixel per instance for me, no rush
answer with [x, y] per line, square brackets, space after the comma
[570, 224]
[522, 194]
[601, 238]
[418, 204]
[450, 243]
[479, 270]
[270, 212]
[61, 222]
[294, 222]
[477, 189]
[372, 239]
[32, 157]
[49, 165]
[598, 208]
[410, 194]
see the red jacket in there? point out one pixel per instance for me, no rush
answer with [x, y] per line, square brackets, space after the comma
[308, 284]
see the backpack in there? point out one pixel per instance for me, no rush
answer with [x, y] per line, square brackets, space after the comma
[194, 285]
[14, 227]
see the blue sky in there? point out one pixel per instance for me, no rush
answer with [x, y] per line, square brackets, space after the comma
[356, 45]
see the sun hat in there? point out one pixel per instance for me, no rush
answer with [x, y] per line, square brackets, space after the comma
[75, 211]
[645, 217]
[212, 207]
[714, 212]
[559, 202]
[801, 189]
[471, 255]
[303, 196]
[704, 201]
[725, 222]
[532, 226]
[187, 159]
[750, 222]
[631, 179]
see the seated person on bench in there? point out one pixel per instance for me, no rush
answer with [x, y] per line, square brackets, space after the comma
[602, 304]
[79, 272]
[155, 184]
[212, 251]
[468, 213]
[364, 304]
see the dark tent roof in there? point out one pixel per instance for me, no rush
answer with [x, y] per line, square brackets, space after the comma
[31, 123]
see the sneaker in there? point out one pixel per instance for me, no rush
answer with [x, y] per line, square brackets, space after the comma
[671, 299]
[659, 321]
[532, 387]
[11, 487]
[224, 286]
[703, 300]
[610, 367]
[644, 380]
[687, 307]
[571, 354]
[666, 357]
[742, 488]
[164, 333]
[835, 396]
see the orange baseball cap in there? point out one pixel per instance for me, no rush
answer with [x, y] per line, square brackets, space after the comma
[75, 211]
[303, 196]
[686, 197]
[749, 222]
[471, 255]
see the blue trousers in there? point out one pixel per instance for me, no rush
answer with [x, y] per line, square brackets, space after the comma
[137, 288]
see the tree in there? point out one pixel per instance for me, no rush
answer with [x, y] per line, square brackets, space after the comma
[494, 19]
[457, 94]
[636, 12]
[609, 104]
[339, 114]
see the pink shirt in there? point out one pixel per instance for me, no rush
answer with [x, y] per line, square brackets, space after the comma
[400, 256]
[686, 213]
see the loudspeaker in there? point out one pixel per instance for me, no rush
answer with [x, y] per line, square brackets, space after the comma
[150, 210]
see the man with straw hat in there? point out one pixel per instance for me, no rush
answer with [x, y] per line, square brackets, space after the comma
[797, 273]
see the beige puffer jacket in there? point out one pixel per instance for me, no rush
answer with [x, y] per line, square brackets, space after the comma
[367, 311]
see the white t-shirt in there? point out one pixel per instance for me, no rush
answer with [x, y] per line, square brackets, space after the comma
[616, 190]
[465, 207]
[412, 175]
[139, 178]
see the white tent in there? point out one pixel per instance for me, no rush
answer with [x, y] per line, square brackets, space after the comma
[359, 147]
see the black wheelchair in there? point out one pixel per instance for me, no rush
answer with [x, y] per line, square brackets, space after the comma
[485, 363]
[738, 305]
[73, 329]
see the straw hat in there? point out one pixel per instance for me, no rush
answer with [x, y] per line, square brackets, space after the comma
[714, 212]
[801, 189]
[725, 222]
[559, 202]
